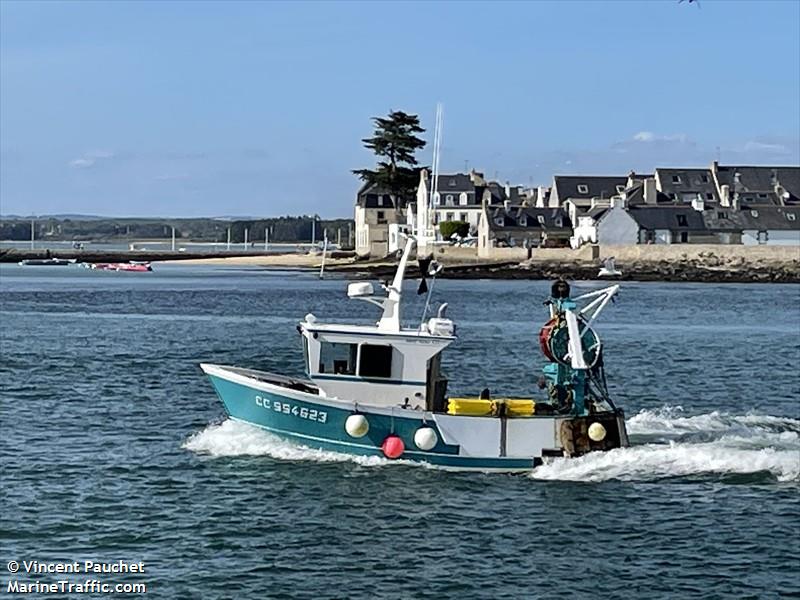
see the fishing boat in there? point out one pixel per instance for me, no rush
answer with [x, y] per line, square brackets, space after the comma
[379, 390]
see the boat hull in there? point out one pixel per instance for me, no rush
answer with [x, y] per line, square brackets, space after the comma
[316, 422]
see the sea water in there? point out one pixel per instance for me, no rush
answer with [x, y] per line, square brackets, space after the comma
[114, 446]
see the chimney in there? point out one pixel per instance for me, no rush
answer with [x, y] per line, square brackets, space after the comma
[506, 204]
[541, 194]
[715, 167]
[631, 178]
[650, 193]
[735, 201]
[725, 195]
[508, 189]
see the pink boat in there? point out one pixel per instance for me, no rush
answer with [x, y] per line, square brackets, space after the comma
[134, 267]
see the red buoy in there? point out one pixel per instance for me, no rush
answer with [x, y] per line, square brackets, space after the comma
[393, 447]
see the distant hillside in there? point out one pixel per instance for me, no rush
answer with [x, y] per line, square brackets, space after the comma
[83, 228]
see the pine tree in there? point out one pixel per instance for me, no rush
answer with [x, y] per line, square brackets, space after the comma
[395, 141]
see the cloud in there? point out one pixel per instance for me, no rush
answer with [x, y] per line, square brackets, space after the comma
[649, 136]
[765, 147]
[90, 159]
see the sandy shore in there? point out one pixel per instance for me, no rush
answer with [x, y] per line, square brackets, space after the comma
[294, 261]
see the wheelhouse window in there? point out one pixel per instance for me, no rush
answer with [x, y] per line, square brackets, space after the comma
[337, 358]
[376, 361]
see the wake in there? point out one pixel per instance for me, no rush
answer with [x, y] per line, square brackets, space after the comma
[667, 444]
[235, 438]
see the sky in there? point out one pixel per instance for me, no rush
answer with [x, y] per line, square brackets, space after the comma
[258, 108]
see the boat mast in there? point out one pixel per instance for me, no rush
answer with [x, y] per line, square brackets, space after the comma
[426, 231]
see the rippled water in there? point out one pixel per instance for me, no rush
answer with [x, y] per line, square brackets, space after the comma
[114, 446]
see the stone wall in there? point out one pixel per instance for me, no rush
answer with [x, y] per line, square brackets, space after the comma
[700, 252]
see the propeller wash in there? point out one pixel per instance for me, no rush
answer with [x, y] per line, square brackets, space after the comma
[379, 390]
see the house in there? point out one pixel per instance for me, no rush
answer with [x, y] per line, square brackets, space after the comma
[460, 197]
[578, 194]
[522, 226]
[670, 225]
[376, 209]
[756, 185]
[683, 186]
[623, 224]
[719, 205]
[756, 225]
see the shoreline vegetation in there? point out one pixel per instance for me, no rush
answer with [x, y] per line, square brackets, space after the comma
[678, 263]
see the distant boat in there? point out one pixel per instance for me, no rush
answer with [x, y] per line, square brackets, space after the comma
[609, 269]
[131, 267]
[46, 262]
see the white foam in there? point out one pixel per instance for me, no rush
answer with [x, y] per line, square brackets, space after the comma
[235, 438]
[714, 443]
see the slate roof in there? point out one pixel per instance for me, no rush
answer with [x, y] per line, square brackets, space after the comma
[566, 186]
[635, 196]
[529, 218]
[678, 182]
[369, 195]
[756, 184]
[673, 218]
[455, 183]
[771, 217]
[459, 183]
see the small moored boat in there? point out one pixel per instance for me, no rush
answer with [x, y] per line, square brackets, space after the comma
[380, 390]
[46, 262]
[130, 266]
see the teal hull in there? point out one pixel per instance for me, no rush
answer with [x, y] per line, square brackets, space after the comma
[297, 417]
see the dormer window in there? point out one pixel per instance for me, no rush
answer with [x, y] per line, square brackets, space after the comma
[791, 216]
[452, 183]
[380, 200]
[583, 188]
[676, 179]
[437, 199]
[762, 196]
[559, 222]
[754, 214]
[704, 178]
[709, 196]
[449, 199]
[523, 221]
[682, 221]
[620, 189]
[499, 221]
